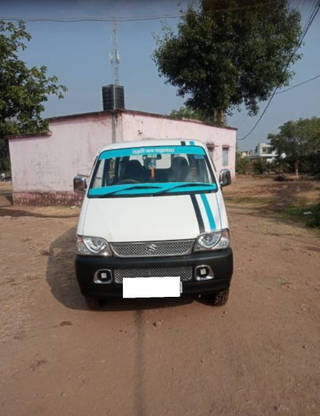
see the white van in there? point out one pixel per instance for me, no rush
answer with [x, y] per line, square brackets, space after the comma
[153, 223]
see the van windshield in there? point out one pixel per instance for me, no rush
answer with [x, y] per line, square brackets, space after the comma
[151, 170]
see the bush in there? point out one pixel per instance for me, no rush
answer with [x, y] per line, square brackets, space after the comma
[280, 166]
[315, 220]
[4, 156]
[243, 165]
[260, 166]
[5, 165]
[311, 163]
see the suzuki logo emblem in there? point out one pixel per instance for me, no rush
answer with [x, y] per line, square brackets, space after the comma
[151, 248]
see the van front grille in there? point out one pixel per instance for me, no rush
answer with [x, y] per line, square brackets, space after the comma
[185, 273]
[152, 248]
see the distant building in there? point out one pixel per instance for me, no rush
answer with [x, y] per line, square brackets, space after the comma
[245, 153]
[44, 165]
[264, 151]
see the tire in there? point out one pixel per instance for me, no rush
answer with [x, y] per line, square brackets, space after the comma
[93, 303]
[217, 299]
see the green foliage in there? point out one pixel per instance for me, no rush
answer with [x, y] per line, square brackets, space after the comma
[315, 219]
[243, 164]
[280, 166]
[4, 156]
[23, 90]
[236, 55]
[311, 163]
[186, 112]
[298, 212]
[260, 166]
[300, 141]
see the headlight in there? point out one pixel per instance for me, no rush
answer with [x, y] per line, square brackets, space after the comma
[92, 246]
[216, 240]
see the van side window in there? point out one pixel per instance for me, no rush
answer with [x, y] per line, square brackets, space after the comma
[97, 183]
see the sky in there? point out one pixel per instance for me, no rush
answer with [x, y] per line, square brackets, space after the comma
[78, 54]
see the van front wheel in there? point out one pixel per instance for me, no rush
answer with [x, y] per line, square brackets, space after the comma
[217, 299]
[93, 303]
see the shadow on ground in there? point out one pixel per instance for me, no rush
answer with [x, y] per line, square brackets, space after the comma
[64, 287]
[12, 212]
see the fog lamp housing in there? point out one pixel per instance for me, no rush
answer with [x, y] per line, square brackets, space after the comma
[203, 272]
[103, 276]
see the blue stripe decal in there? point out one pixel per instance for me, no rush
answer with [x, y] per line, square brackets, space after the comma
[208, 211]
[151, 150]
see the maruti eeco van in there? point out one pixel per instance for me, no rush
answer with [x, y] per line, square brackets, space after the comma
[153, 223]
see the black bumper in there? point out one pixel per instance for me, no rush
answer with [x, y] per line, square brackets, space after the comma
[221, 263]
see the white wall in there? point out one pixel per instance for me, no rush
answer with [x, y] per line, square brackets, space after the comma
[49, 163]
[139, 126]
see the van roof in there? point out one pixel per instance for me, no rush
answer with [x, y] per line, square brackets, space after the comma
[153, 142]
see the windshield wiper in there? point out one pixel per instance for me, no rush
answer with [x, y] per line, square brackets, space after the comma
[156, 189]
[211, 186]
[104, 192]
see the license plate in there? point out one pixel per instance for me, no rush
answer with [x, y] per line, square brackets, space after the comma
[151, 287]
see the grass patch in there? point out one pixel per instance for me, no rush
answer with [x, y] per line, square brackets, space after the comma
[306, 214]
[300, 210]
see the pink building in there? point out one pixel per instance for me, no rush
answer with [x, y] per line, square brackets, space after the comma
[44, 165]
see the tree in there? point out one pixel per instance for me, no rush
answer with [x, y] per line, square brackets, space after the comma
[230, 52]
[186, 112]
[298, 140]
[23, 90]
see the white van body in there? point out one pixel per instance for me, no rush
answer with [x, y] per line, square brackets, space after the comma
[154, 210]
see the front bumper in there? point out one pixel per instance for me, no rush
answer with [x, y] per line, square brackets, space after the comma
[221, 262]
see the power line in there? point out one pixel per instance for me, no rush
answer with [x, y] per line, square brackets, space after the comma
[312, 16]
[124, 18]
[295, 86]
[299, 84]
[89, 19]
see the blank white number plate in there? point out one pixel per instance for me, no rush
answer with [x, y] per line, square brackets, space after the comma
[151, 287]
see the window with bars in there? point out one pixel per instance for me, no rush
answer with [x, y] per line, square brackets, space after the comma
[225, 155]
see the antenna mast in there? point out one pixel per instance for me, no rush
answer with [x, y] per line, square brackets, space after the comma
[113, 94]
[115, 56]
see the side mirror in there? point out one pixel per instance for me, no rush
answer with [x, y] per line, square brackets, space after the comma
[224, 177]
[79, 183]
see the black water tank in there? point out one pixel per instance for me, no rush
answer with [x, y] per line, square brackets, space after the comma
[113, 97]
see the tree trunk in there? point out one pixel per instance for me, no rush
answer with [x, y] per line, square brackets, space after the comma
[215, 114]
[218, 116]
[296, 168]
[221, 114]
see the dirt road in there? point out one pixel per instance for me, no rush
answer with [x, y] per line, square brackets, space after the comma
[258, 355]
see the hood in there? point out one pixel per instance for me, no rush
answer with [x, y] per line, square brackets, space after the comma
[149, 218]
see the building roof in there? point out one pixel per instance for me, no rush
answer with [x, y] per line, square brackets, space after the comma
[117, 112]
[134, 112]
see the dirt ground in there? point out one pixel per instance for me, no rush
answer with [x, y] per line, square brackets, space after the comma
[257, 355]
